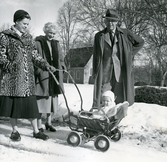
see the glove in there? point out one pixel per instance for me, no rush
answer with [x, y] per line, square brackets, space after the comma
[51, 68]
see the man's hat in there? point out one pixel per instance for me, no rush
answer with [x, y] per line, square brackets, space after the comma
[112, 15]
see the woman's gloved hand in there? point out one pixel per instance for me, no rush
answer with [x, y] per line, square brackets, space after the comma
[51, 68]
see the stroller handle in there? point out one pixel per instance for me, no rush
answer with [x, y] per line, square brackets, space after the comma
[54, 77]
[57, 82]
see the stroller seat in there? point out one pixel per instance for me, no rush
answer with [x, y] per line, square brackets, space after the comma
[85, 118]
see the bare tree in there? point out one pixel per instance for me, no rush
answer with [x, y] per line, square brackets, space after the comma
[91, 12]
[5, 26]
[156, 35]
[67, 25]
[72, 33]
[80, 19]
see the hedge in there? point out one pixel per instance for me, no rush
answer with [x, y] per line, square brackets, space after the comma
[148, 94]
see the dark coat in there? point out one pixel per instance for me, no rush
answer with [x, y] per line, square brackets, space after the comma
[45, 84]
[128, 45]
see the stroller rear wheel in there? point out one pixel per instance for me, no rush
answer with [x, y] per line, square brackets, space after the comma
[102, 143]
[74, 139]
[116, 136]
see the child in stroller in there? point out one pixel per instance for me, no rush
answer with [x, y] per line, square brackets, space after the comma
[108, 105]
[99, 125]
[91, 128]
[107, 110]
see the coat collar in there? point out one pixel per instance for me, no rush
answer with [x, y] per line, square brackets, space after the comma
[118, 30]
[43, 38]
[14, 32]
[107, 36]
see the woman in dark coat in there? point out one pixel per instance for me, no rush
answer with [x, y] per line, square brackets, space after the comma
[114, 50]
[47, 90]
[18, 56]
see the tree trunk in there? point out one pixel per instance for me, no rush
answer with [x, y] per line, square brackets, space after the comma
[163, 79]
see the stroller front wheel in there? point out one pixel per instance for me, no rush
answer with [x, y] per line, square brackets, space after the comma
[102, 143]
[74, 139]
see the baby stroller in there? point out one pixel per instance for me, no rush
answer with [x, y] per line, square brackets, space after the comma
[85, 128]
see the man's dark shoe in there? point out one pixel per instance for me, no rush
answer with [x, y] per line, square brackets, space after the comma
[15, 136]
[40, 135]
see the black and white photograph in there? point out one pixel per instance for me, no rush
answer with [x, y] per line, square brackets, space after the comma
[83, 80]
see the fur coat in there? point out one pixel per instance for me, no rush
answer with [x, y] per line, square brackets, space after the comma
[18, 56]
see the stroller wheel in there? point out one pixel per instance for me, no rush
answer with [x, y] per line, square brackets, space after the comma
[102, 143]
[74, 139]
[116, 135]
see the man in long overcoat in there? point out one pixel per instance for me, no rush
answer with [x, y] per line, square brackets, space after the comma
[114, 50]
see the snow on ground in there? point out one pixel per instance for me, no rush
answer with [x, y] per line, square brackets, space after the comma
[145, 123]
[144, 137]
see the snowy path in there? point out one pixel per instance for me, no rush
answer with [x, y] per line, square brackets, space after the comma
[144, 136]
[56, 149]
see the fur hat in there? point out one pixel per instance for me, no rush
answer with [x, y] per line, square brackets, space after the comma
[109, 94]
[20, 14]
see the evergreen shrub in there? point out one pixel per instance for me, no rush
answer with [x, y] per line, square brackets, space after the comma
[154, 95]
